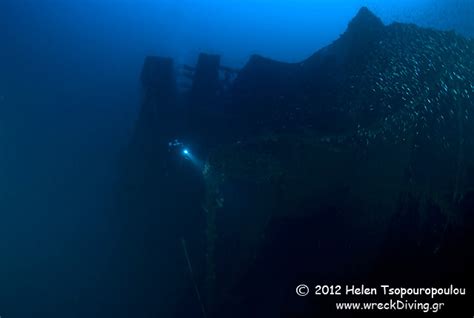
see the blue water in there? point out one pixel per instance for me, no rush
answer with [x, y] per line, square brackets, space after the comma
[69, 96]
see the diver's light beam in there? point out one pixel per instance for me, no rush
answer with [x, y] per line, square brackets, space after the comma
[189, 156]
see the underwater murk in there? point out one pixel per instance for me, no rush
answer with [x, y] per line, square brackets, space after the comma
[237, 158]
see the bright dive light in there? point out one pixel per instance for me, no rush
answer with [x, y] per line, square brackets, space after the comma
[186, 153]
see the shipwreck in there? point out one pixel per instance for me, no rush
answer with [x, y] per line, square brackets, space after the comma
[355, 164]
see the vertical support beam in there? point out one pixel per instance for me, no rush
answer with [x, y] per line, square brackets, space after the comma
[206, 78]
[158, 110]
[157, 77]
